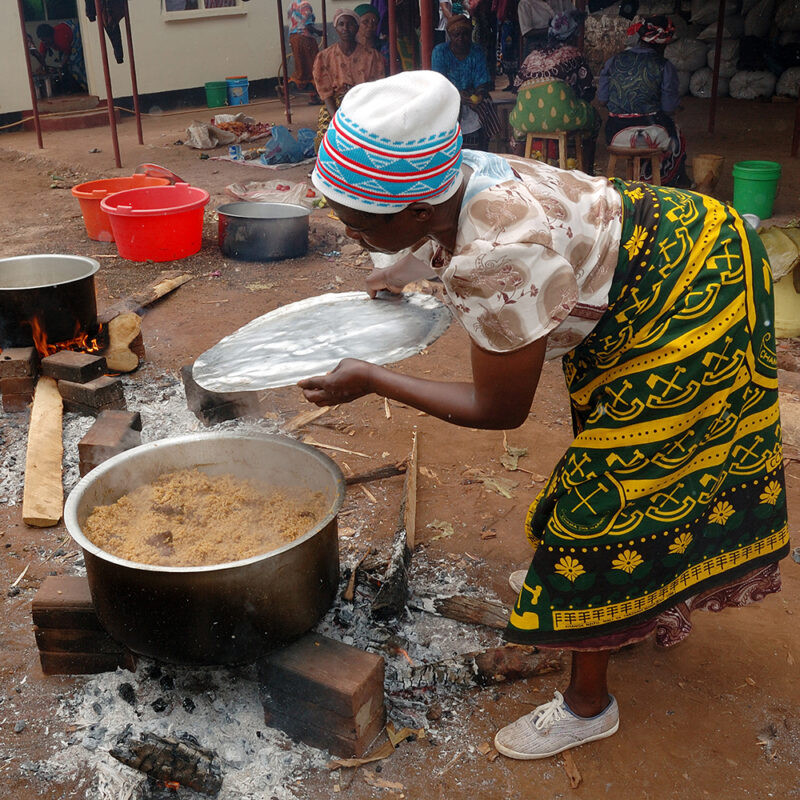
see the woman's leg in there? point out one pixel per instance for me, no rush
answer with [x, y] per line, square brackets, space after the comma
[587, 693]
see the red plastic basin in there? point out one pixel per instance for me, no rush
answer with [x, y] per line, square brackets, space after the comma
[159, 223]
[98, 225]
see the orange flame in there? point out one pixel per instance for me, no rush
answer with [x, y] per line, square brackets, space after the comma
[79, 341]
[405, 655]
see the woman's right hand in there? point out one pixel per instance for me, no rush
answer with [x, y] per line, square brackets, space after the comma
[382, 279]
[347, 382]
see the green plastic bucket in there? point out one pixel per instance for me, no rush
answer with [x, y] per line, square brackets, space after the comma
[755, 184]
[216, 93]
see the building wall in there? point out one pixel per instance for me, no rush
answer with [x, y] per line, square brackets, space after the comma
[170, 54]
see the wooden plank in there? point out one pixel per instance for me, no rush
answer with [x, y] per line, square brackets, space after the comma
[85, 663]
[339, 677]
[76, 640]
[410, 509]
[463, 608]
[43, 495]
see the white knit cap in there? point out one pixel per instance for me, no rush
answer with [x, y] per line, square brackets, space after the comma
[391, 143]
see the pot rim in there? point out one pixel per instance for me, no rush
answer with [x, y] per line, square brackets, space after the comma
[92, 267]
[227, 210]
[76, 495]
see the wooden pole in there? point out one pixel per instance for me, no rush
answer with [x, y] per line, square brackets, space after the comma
[134, 86]
[324, 25]
[426, 32]
[712, 111]
[112, 120]
[34, 101]
[287, 108]
[392, 18]
[796, 132]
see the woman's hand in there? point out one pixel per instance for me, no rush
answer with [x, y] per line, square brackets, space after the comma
[380, 279]
[348, 382]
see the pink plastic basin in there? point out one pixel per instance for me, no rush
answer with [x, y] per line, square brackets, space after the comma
[159, 223]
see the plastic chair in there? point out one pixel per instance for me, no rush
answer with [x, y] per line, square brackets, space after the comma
[632, 159]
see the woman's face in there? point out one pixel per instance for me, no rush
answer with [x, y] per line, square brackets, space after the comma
[369, 25]
[346, 28]
[460, 38]
[385, 233]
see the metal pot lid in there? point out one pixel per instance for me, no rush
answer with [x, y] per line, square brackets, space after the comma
[312, 336]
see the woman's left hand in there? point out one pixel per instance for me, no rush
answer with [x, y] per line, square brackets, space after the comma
[347, 382]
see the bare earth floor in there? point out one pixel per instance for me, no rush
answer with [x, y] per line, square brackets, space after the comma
[716, 716]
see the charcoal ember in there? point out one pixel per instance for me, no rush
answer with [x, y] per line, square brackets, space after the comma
[161, 704]
[167, 683]
[167, 759]
[188, 705]
[127, 693]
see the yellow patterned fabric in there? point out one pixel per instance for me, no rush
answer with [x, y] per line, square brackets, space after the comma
[674, 483]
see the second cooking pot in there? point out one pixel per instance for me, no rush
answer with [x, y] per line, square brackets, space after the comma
[263, 231]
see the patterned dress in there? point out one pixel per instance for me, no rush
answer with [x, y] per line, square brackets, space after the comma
[671, 496]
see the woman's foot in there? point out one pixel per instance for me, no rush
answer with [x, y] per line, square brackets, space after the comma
[552, 728]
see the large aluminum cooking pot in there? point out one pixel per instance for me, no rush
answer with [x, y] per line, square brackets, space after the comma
[263, 231]
[225, 613]
[56, 289]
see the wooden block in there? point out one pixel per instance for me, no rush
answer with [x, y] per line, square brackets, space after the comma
[100, 393]
[92, 411]
[112, 433]
[339, 677]
[324, 738]
[18, 362]
[64, 601]
[70, 365]
[213, 407]
[76, 640]
[43, 495]
[14, 403]
[85, 663]
[24, 385]
[306, 711]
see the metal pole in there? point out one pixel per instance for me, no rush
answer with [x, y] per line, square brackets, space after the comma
[426, 32]
[34, 101]
[392, 38]
[134, 87]
[324, 25]
[286, 105]
[712, 111]
[112, 121]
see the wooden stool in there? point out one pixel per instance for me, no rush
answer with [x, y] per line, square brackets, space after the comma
[633, 162]
[561, 138]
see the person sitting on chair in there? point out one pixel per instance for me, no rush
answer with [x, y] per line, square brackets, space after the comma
[640, 88]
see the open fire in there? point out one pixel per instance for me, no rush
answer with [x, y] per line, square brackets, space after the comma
[81, 340]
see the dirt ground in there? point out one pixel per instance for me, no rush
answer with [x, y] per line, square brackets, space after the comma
[721, 710]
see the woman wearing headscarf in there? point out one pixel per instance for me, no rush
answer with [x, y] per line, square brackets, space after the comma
[554, 92]
[671, 497]
[640, 88]
[368, 25]
[463, 63]
[341, 66]
[302, 40]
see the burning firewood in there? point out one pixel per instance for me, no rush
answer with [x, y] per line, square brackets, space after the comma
[493, 665]
[171, 761]
[43, 496]
[391, 597]
[463, 608]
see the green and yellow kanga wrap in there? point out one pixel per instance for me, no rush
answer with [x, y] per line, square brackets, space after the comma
[674, 483]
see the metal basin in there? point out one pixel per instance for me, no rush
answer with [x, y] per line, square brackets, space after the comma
[225, 613]
[263, 231]
[58, 290]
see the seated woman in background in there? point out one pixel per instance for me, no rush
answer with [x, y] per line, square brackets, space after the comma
[554, 93]
[463, 63]
[341, 66]
[368, 26]
[640, 88]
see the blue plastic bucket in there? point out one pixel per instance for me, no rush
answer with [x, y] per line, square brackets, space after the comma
[238, 90]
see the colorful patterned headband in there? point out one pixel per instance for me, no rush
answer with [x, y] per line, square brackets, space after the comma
[393, 142]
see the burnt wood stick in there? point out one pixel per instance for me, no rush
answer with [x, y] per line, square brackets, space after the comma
[377, 474]
[167, 759]
[391, 597]
[125, 346]
[493, 665]
[463, 608]
[164, 284]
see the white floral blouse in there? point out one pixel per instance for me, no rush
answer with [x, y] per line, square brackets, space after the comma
[535, 254]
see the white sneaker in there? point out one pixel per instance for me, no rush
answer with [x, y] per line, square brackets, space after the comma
[516, 579]
[552, 728]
